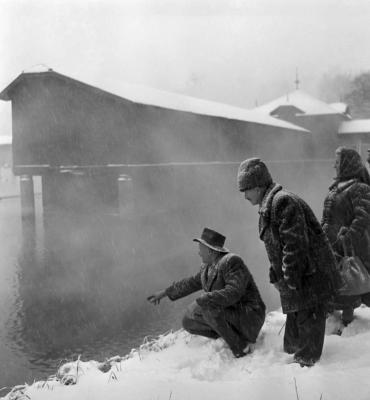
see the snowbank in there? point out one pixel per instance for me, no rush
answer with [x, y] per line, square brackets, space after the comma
[178, 366]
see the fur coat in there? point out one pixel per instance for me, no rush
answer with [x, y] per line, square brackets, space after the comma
[302, 264]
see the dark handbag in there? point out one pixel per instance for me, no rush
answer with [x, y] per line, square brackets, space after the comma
[354, 275]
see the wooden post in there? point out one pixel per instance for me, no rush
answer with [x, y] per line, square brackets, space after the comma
[27, 198]
[47, 191]
[125, 195]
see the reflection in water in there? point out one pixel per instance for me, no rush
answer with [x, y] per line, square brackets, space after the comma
[82, 284]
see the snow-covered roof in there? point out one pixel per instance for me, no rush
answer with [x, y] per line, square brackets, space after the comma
[174, 101]
[354, 126]
[308, 104]
[5, 139]
[37, 69]
[340, 107]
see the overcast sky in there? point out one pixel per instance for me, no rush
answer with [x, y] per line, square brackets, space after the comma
[232, 51]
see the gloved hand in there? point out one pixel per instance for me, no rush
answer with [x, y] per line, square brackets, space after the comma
[279, 284]
[342, 233]
[202, 301]
[291, 287]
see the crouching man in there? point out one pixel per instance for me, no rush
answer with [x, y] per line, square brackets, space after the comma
[230, 306]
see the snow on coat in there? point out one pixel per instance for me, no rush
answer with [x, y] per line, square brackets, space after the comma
[298, 250]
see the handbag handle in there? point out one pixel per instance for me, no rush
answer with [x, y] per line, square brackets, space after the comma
[348, 252]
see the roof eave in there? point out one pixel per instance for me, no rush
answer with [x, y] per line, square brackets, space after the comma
[319, 114]
[355, 133]
[279, 124]
[4, 94]
[289, 126]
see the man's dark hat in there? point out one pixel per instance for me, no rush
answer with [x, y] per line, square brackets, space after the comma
[213, 240]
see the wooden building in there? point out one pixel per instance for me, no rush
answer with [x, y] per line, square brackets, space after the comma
[90, 146]
[330, 125]
[5, 151]
[322, 120]
[356, 133]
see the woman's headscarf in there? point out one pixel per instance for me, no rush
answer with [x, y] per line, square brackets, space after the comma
[351, 166]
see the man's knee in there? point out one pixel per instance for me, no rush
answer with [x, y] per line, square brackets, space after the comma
[192, 314]
[187, 322]
[211, 312]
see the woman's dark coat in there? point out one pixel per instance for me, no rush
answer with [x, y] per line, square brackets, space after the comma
[302, 262]
[346, 218]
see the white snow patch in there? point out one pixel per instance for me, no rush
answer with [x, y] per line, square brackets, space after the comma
[181, 366]
[5, 139]
[38, 68]
[340, 107]
[308, 104]
[354, 126]
[174, 101]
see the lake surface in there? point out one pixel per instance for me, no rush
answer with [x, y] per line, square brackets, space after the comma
[77, 285]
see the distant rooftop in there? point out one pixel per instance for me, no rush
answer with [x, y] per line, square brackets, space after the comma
[340, 107]
[354, 126]
[307, 104]
[159, 98]
[5, 139]
[37, 69]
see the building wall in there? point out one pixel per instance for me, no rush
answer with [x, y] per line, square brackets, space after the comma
[323, 139]
[5, 155]
[60, 122]
[57, 121]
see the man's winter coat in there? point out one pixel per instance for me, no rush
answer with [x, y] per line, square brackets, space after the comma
[302, 262]
[229, 285]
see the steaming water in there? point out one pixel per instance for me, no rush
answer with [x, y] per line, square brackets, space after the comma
[76, 286]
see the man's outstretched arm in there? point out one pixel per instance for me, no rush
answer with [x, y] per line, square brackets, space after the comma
[178, 289]
[156, 297]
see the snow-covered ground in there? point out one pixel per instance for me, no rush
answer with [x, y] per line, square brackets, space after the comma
[179, 366]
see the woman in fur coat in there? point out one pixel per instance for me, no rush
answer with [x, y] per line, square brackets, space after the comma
[346, 219]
